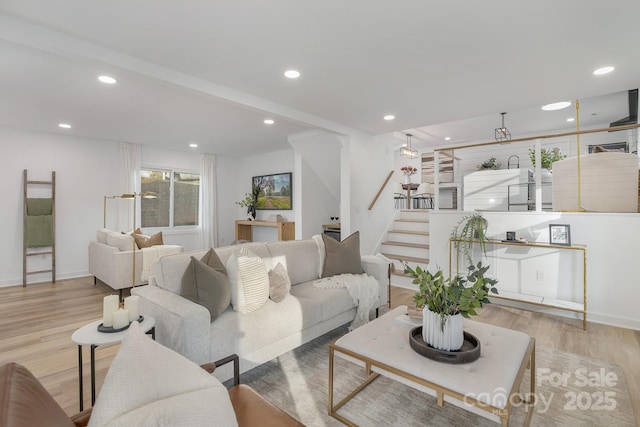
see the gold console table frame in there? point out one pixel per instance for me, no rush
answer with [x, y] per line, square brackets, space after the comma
[244, 229]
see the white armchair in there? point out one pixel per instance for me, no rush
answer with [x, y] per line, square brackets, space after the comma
[111, 259]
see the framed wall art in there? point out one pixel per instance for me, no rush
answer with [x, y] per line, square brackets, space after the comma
[560, 234]
[273, 192]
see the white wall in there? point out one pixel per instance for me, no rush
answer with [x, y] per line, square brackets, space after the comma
[86, 170]
[612, 240]
[318, 162]
[369, 161]
[237, 173]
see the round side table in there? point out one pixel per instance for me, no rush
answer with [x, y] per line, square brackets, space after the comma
[89, 335]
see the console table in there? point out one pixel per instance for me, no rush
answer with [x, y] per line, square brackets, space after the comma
[533, 298]
[286, 230]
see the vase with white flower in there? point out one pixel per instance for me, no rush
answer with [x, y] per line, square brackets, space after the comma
[408, 171]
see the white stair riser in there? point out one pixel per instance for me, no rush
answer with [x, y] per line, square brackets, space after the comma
[405, 251]
[419, 214]
[411, 226]
[419, 239]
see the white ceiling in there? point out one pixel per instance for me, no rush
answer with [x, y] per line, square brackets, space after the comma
[210, 71]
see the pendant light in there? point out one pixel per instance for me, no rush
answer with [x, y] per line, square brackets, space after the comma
[502, 133]
[407, 151]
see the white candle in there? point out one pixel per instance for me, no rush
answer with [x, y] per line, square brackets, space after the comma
[110, 304]
[132, 304]
[120, 318]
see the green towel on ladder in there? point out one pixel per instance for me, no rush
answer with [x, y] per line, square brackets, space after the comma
[39, 231]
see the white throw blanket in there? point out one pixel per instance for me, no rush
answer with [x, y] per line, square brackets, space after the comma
[362, 288]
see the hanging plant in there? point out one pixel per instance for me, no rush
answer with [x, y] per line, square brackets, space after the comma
[470, 230]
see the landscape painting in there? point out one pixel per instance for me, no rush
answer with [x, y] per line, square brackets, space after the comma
[273, 192]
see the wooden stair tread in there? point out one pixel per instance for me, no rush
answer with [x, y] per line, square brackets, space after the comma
[407, 258]
[421, 233]
[405, 244]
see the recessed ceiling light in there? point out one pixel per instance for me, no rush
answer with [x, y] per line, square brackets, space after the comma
[269, 121]
[447, 138]
[389, 117]
[64, 125]
[571, 119]
[193, 145]
[556, 106]
[292, 74]
[603, 70]
[107, 79]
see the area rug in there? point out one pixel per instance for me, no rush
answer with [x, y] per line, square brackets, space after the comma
[571, 391]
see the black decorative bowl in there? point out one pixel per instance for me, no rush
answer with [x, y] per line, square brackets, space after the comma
[109, 329]
[469, 351]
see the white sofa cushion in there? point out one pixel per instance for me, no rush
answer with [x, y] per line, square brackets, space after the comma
[298, 259]
[150, 385]
[249, 280]
[101, 235]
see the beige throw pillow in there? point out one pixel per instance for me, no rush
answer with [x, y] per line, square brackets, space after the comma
[206, 286]
[249, 280]
[342, 257]
[151, 385]
[279, 283]
[147, 241]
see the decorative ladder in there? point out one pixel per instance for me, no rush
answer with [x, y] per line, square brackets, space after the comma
[25, 239]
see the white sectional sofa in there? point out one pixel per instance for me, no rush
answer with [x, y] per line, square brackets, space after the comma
[257, 337]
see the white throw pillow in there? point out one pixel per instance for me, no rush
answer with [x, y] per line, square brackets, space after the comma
[249, 280]
[123, 242]
[151, 385]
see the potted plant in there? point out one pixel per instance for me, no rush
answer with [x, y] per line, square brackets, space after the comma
[249, 202]
[471, 229]
[445, 301]
[547, 157]
[489, 164]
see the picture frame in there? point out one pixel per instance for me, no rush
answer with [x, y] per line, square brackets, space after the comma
[560, 234]
[273, 191]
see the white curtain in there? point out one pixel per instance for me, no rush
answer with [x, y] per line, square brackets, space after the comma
[129, 183]
[208, 200]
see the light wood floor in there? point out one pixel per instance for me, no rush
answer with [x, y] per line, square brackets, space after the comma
[37, 323]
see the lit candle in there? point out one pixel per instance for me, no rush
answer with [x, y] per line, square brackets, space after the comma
[132, 304]
[120, 318]
[110, 304]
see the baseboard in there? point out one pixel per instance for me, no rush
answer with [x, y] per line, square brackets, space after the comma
[42, 278]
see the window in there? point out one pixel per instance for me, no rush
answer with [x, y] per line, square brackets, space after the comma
[177, 204]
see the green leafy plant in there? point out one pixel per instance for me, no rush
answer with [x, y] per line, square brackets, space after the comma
[547, 157]
[451, 296]
[248, 200]
[471, 229]
[489, 164]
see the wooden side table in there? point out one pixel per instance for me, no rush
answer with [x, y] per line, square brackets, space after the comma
[89, 335]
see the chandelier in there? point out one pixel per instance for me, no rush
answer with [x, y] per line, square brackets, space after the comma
[407, 151]
[502, 133]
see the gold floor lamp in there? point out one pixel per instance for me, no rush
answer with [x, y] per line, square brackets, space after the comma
[134, 196]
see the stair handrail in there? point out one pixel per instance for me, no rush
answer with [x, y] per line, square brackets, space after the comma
[384, 184]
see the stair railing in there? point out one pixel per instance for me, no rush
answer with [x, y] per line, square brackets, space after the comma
[384, 184]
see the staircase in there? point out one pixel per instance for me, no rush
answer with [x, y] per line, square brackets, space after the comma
[407, 241]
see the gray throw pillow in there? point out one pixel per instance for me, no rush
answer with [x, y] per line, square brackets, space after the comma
[279, 283]
[342, 257]
[206, 286]
[212, 259]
